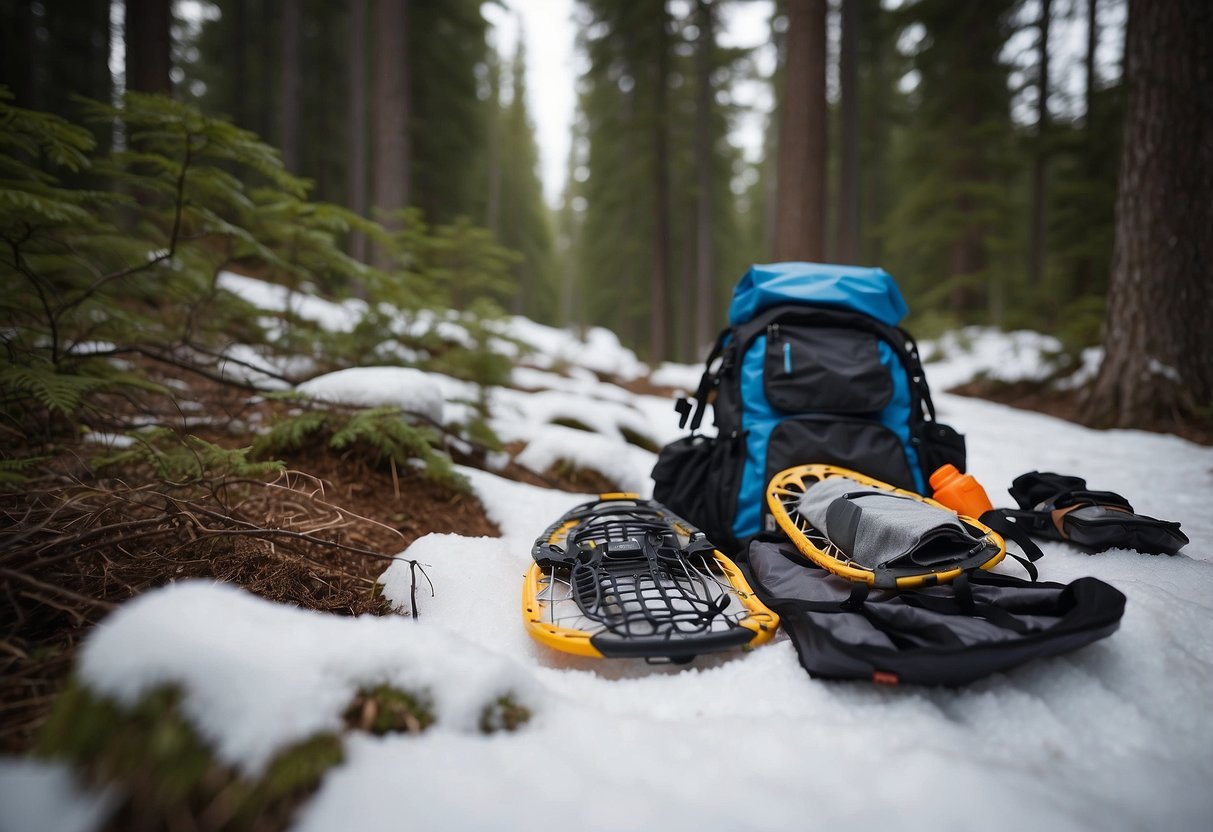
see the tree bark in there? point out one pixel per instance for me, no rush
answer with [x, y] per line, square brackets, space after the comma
[705, 249]
[17, 53]
[1158, 364]
[801, 190]
[148, 46]
[358, 113]
[392, 151]
[874, 197]
[1084, 272]
[1040, 161]
[1089, 58]
[661, 277]
[238, 9]
[290, 85]
[848, 185]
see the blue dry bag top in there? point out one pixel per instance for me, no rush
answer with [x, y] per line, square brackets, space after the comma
[871, 291]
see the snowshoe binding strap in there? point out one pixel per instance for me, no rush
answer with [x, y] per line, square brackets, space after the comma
[1061, 507]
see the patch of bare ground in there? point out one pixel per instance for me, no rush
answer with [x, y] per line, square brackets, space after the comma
[72, 549]
[644, 387]
[563, 475]
[1068, 405]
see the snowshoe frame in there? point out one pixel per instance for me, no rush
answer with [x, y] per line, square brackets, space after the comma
[623, 577]
[783, 498]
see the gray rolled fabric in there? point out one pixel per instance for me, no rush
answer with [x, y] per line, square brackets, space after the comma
[879, 528]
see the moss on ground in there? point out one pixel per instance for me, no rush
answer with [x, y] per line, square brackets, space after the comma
[168, 778]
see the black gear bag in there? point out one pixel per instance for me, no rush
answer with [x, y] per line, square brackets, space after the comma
[948, 634]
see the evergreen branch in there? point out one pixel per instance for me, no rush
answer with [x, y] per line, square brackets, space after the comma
[20, 266]
[162, 256]
[180, 364]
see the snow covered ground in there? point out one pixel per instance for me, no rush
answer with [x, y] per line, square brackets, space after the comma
[1114, 736]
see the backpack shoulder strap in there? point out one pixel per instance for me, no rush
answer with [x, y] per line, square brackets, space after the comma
[918, 376]
[707, 382]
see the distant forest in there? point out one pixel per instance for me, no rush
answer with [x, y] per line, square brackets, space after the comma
[961, 145]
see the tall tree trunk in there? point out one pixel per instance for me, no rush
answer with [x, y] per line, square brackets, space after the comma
[149, 46]
[1084, 272]
[17, 50]
[661, 277]
[238, 9]
[392, 151]
[1158, 364]
[848, 186]
[1089, 58]
[492, 208]
[358, 161]
[801, 200]
[872, 40]
[705, 247]
[290, 85]
[1040, 161]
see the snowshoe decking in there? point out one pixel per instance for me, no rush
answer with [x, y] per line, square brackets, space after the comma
[972, 544]
[623, 577]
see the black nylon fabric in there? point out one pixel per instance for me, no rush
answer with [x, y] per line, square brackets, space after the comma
[694, 477]
[924, 636]
[825, 370]
[822, 373]
[863, 445]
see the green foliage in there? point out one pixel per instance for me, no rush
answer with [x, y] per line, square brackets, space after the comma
[162, 767]
[570, 422]
[237, 57]
[66, 388]
[448, 51]
[384, 709]
[520, 218]
[129, 267]
[380, 435]
[15, 472]
[640, 440]
[504, 714]
[615, 169]
[102, 274]
[299, 768]
[947, 232]
[178, 459]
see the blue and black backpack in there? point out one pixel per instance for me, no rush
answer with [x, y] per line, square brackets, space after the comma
[812, 369]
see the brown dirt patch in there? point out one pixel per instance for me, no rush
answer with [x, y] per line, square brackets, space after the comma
[72, 552]
[1067, 404]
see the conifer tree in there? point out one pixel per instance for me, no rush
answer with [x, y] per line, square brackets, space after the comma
[847, 247]
[149, 45]
[522, 222]
[358, 161]
[800, 218]
[1158, 364]
[392, 154]
[622, 245]
[955, 162]
[705, 175]
[1040, 160]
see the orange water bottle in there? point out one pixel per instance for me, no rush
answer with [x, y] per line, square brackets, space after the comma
[959, 492]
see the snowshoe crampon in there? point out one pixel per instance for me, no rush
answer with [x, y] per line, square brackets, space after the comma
[887, 544]
[623, 577]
